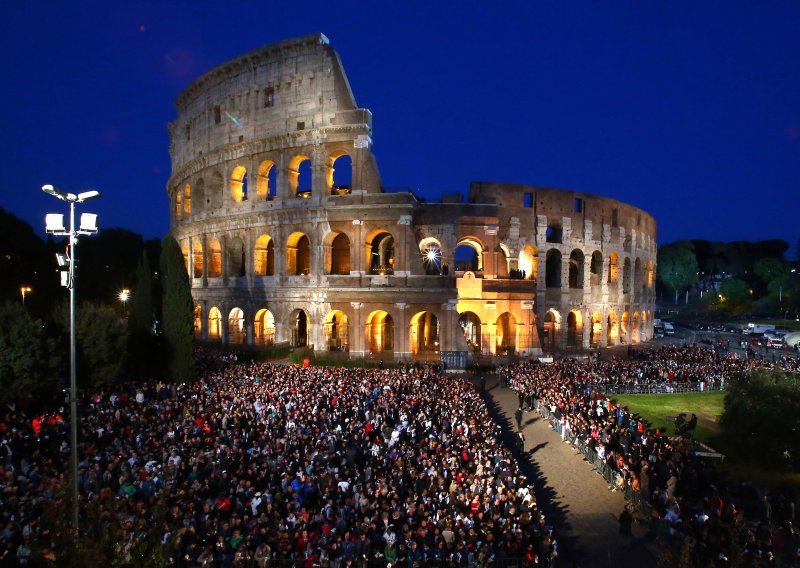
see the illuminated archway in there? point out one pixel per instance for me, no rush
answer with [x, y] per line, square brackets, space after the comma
[506, 334]
[264, 261]
[197, 259]
[379, 332]
[470, 324]
[596, 268]
[214, 323]
[612, 329]
[178, 205]
[574, 329]
[300, 176]
[424, 333]
[339, 173]
[337, 331]
[597, 330]
[214, 259]
[187, 200]
[198, 320]
[265, 183]
[551, 326]
[635, 328]
[337, 253]
[299, 322]
[469, 255]
[625, 327]
[430, 250]
[185, 252]
[264, 327]
[613, 268]
[239, 184]
[236, 333]
[528, 262]
[380, 252]
[298, 254]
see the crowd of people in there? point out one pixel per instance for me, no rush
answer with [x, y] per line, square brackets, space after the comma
[258, 465]
[685, 495]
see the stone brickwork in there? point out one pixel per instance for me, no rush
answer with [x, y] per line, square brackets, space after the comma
[288, 235]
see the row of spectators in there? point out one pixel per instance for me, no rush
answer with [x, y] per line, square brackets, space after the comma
[685, 495]
[256, 464]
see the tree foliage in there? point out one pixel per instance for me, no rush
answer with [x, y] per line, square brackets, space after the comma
[142, 341]
[735, 291]
[770, 269]
[29, 358]
[176, 313]
[677, 265]
[761, 422]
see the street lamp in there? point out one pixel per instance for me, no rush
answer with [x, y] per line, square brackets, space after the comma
[54, 225]
[780, 288]
[25, 290]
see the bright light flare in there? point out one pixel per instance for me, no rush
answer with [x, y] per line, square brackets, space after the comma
[124, 295]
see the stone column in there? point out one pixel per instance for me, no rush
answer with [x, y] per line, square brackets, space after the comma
[402, 349]
[357, 247]
[357, 333]
[587, 329]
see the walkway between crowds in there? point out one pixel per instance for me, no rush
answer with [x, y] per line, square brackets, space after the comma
[585, 513]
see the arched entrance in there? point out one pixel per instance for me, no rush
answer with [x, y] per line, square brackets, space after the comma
[336, 330]
[198, 320]
[625, 328]
[468, 255]
[597, 330]
[214, 323]
[299, 325]
[379, 333]
[552, 322]
[424, 334]
[574, 329]
[380, 252]
[528, 262]
[470, 324]
[506, 334]
[635, 328]
[236, 326]
[264, 327]
[612, 329]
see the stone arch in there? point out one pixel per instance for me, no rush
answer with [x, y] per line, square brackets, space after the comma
[613, 268]
[199, 195]
[528, 262]
[187, 200]
[298, 254]
[215, 190]
[503, 261]
[299, 323]
[554, 232]
[638, 276]
[635, 328]
[298, 185]
[468, 255]
[430, 250]
[470, 324]
[235, 254]
[197, 317]
[379, 332]
[197, 259]
[214, 323]
[214, 263]
[380, 252]
[550, 329]
[574, 328]
[178, 205]
[264, 258]
[336, 330]
[596, 268]
[339, 173]
[612, 329]
[626, 276]
[625, 327]
[337, 253]
[424, 333]
[553, 269]
[239, 184]
[597, 330]
[265, 182]
[236, 331]
[506, 334]
[264, 327]
[576, 269]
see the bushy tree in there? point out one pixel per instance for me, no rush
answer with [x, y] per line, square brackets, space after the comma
[142, 341]
[734, 292]
[760, 422]
[677, 266]
[177, 316]
[29, 358]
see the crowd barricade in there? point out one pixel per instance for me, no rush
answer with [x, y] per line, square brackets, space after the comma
[659, 388]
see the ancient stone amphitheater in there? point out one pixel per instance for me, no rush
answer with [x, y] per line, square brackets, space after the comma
[289, 235]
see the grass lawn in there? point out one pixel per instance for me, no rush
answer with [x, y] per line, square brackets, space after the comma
[661, 410]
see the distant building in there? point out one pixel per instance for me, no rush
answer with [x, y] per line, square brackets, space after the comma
[289, 235]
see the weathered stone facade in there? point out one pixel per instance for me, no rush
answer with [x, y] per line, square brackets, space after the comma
[289, 236]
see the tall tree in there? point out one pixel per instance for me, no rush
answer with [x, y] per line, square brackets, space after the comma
[141, 323]
[677, 266]
[770, 269]
[176, 313]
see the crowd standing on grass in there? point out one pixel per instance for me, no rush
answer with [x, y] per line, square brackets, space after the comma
[686, 497]
[257, 464]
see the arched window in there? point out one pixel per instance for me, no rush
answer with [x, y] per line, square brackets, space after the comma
[553, 269]
[300, 176]
[197, 259]
[236, 259]
[265, 184]
[576, 269]
[431, 251]
[380, 252]
[214, 259]
[469, 255]
[574, 329]
[298, 255]
[199, 195]
[554, 232]
[379, 331]
[178, 205]
[339, 174]
[597, 330]
[214, 323]
[215, 189]
[528, 262]
[552, 323]
[613, 268]
[612, 329]
[597, 268]
[264, 261]
[626, 276]
[299, 323]
[635, 328]
[340, 255]
[187, 200]
[624, 327]
[506, 334]
[336, 330]
[264, 327]
[470, 324]
[424, 333]
[239, 184]
[236, 326]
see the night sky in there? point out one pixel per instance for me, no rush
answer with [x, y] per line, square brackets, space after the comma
[689, 110]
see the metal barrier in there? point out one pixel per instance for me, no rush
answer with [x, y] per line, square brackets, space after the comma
[659, 388]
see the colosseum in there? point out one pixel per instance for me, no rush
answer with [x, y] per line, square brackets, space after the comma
[289, 235]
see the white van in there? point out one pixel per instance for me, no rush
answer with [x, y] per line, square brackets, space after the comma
[669, 329]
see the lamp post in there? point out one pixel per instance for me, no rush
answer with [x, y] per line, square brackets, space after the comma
[25, 290]
[54, 225]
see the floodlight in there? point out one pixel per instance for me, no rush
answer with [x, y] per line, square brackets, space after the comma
[86, 195]
[54, 192]
[54, 223]
[88, 222]
[62, 260]
[65, 278]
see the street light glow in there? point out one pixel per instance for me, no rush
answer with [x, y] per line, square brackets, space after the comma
[124, 295]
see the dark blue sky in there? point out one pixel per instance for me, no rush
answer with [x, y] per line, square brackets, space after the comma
[690, 110]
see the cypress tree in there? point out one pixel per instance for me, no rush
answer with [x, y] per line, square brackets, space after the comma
[142, 341]
[177, 314]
